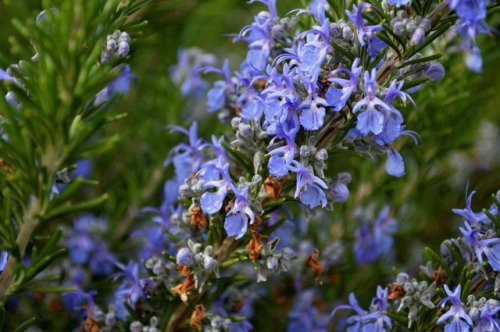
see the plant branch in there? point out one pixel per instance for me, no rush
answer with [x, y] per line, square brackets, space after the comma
[31, 221]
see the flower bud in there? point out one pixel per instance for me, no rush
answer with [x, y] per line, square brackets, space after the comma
[209, 264]
[158, 268]
[11, 99]
[344, 177]
[105, 56]
[410, 27]
[304, 151]
[124, 37]
[434, 71]
[347, 33]
[278, 31]
[185, 257]
[245, 130]
[425, 24]
[153, 322]
[474, 61]
[116, 34]
[399, 28]
[402, 278]
[216, 322]
[402, 14]
[235, 122]
[110, 318]
[422, 286]
[272, 263]
[135, 327]
[408, 287]
[123, 49]
[474, 313]
[335, 30]
[417, 36]
[111, 45]
[288, 254]
[321, 155]
[492, 304]
[340, 192]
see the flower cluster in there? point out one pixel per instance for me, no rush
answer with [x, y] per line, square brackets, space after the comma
[117, 44]
[300, 93]
[87, 246]
[423, 304]
[471, 23]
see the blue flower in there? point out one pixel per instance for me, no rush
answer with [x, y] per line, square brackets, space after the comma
[373, 321]
[470, 23]
[378, 308]
[211, 202]
[489, 247]
[120, 85]
[366, 34]
[354, 321]
[258, 35]
[75, 299]
[310, 188]
[372, 118]
[187, 71]
[186, 158]
[281, 157]
[375, 240]
[312, 110]
[394, 165]
[304, 316]
[132, 289]
[236, 223]
[474, 218]
[460, 320]
[488, 321]
[337, 98]
[6, 77]
[339, 192]
[185, 257]
[102, 260]
[434, 71]
[216, 96]
[470, 10]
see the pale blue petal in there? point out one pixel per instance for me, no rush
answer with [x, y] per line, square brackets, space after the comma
[236, 225]
[370, 120]
[394, 165]
[212, 202]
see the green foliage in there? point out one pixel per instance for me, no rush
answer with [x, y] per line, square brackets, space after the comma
[56, 125]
